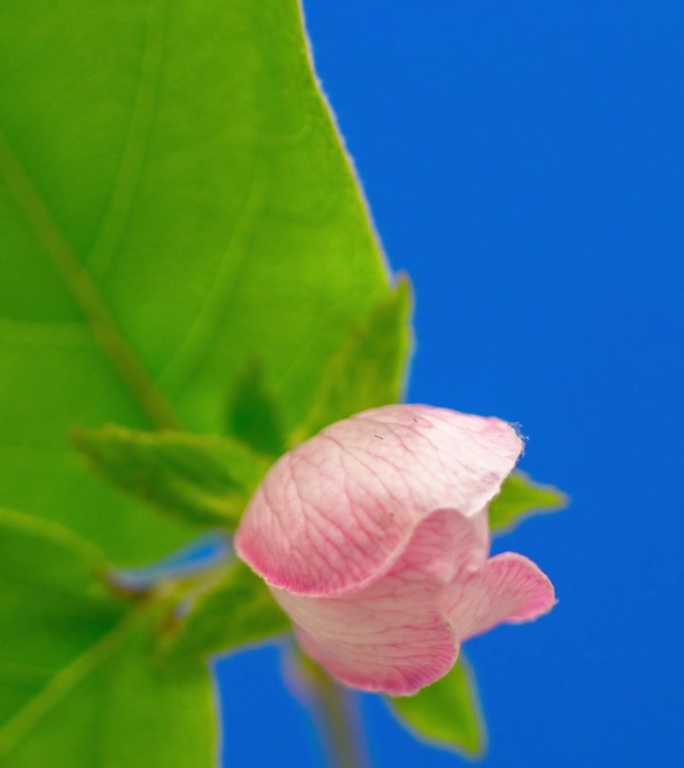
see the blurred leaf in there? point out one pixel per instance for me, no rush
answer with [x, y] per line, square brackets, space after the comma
[174, 202]
[519, 498]
[77, 687]
[203, 479]
[238, 611]
[446, 713]
[369, 368]
[253, 415]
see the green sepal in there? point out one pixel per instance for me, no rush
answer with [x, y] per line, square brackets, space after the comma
[253, 415]
[447, 713]
[237, 611]
[519, 498]
[370, 367]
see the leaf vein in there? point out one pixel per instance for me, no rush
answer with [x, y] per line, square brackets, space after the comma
[83, 289]
[127, 177]
[28, 717]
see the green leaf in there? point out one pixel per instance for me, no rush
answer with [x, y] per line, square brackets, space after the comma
[253, 415]
[369, 368]
[174, 202]
[77, 684]
[446, 713]
[519, 498]
[239, 611]
[206, 480]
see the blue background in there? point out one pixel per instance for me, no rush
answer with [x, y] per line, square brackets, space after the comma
[524, 163]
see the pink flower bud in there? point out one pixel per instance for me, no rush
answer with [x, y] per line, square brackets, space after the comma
[373, 537]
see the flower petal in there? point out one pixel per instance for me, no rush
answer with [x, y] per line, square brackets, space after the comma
[508, 589]
[393, 636]
[334, 513]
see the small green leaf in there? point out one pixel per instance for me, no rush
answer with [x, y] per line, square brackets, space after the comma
[519, 498]
[369, 368]
[203, 479]
[77, 686]
[253, 415]
[240, 611]
[446, 713]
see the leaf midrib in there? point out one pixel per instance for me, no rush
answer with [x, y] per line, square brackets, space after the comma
[84, 291]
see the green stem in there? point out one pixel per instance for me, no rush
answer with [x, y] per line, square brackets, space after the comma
[338, 719]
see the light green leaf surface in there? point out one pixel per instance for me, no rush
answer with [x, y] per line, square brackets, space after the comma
[174, 202]
[205, 480]
[369, 368]
[446, 713]
[521, 497]
[238, 611]
[78, 687]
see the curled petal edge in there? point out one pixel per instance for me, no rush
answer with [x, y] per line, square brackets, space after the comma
[387, 639]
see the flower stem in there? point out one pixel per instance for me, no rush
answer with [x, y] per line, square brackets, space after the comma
[339, 722]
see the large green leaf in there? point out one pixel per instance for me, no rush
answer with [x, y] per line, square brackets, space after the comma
[174, 202]
[206, 480]
[446, 713]
[521, 497]
[78, 684]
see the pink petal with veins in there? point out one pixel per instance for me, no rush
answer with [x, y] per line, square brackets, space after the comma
[393, 635]
[338, 509]
[508, 588]
[404, 630]
[373, 537]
